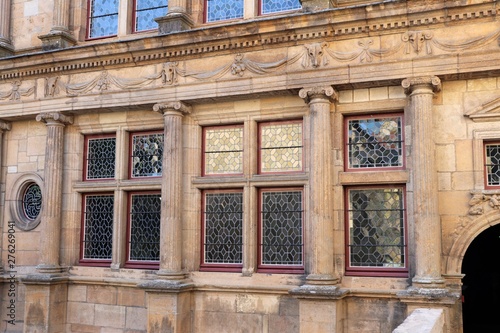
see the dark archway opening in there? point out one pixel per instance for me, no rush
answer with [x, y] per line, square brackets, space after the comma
[481, 284]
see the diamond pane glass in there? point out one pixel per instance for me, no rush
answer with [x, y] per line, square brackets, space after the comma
[218, 10]
[98, 226]
[375, 143]
[145, 227]
[147, 153]
[376, 228]
[493, 164]
[32, 201]
[223, 228]
[282, 228]
[274, 6]
[223, 150]
[281, 147]
[146, 11]
[103, 18]
[101, 158]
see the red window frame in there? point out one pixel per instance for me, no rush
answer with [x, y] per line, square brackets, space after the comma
[485, 168]
[373, 116]
[282, 269]
[131, 154]
[142, 264]
[371, 270]
[85, 155]
[217, 267]
[259, 148]
[85, 261]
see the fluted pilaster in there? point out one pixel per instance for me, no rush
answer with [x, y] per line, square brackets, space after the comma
[171, 192]
[52, 191]
[426, 219]
[4, 126]
[59, 36]
[6, 47]
[320, 184]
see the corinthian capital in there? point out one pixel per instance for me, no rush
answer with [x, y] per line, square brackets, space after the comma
[176, 107]
[430, 82]
[318, 92]
[54, 117]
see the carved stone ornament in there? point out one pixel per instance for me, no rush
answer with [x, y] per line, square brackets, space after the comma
[411, 84]
[482, 201]
[176, 107]
[418, 40]
[16, 92]
[321, 92]
[51, 117]
[315, 55]
[4, 126]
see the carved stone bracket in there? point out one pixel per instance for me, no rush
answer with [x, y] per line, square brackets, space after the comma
[177, 106]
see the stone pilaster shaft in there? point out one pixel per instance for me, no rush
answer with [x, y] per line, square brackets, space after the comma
[52, 192]
[5, 42]
[320, 184]
[177, 6]
[426, 219]
[61, 16]
[171, 191]
[4, 126]
[59, 36]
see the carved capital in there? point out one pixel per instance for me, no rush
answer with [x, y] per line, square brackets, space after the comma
[172, 107]
[54, 117]
[4, 126]
[433, 83]
[326, 93]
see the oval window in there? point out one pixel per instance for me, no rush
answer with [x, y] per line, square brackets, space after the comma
[32, 201]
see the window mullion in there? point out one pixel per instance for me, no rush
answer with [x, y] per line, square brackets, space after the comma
[120, 230]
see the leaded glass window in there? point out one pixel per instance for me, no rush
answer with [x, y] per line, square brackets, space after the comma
[492, 155]
[281, 228]
[98, 226]
[103, 20]
[144, 227]
[281, 147]
[223, 227]
[376, 224]
[146, 11]
[375, 142]
[147, 153]
[100, 159]
[223, 150]
[274, 6]
[218, 10]
[32, 201]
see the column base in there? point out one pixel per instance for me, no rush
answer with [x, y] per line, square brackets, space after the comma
[173, 22]
[52, 270]
[428, 282]
[321, 279]
[56, 40]
[318, 292]
[171, 276]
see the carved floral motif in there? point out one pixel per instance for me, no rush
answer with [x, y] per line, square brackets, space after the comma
[480, 201]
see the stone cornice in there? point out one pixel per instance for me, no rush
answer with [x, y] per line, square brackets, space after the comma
[243, 36]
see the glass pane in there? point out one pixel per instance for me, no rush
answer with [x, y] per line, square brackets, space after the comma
[375, 143]
[223, 228]
[218, 10]
[273, 6]
[376, 227]
[103, 18]
[98, 227]
[147, 153]
[101, 158]
[493, 164]
[281, 147]
[32, 201]
[282, 228]
[145, 227]
[147, 11]
[223, 150]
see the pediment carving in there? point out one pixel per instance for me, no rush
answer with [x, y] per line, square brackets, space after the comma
[489, 111]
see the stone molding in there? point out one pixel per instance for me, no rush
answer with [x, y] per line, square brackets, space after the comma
[489, 111]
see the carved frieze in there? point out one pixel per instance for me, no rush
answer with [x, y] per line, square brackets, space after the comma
[15, 93]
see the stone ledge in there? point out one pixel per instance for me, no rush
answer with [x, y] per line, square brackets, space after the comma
[319, 292]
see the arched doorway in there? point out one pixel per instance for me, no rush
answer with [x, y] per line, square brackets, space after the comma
[481, 283]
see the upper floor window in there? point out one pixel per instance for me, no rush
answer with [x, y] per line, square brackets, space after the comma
[376, 230]
[219, 10]
[374, 142]
[280, 147]
[146, 154]
[145, 11]
[223, 150]
[492, 164]
[102, 18]
[100, 157]
[275, 6]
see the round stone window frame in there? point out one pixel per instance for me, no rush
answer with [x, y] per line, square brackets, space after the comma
[16, 202]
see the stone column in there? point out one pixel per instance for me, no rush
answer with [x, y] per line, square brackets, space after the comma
[177, 18]
[6, 47]
[322, 270]
[427, 224]
[52, 192]
[4, 126]
[59, 36]
[171, 191]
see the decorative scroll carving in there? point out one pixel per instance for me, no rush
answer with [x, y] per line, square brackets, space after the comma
[325, 92]
[480, 201]
[16, 92]
[433, 81]
[48, 117]
[177, 106]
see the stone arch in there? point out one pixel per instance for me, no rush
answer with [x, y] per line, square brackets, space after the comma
[467, 234]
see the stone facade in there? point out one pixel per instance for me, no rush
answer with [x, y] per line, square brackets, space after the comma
[434, 65]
